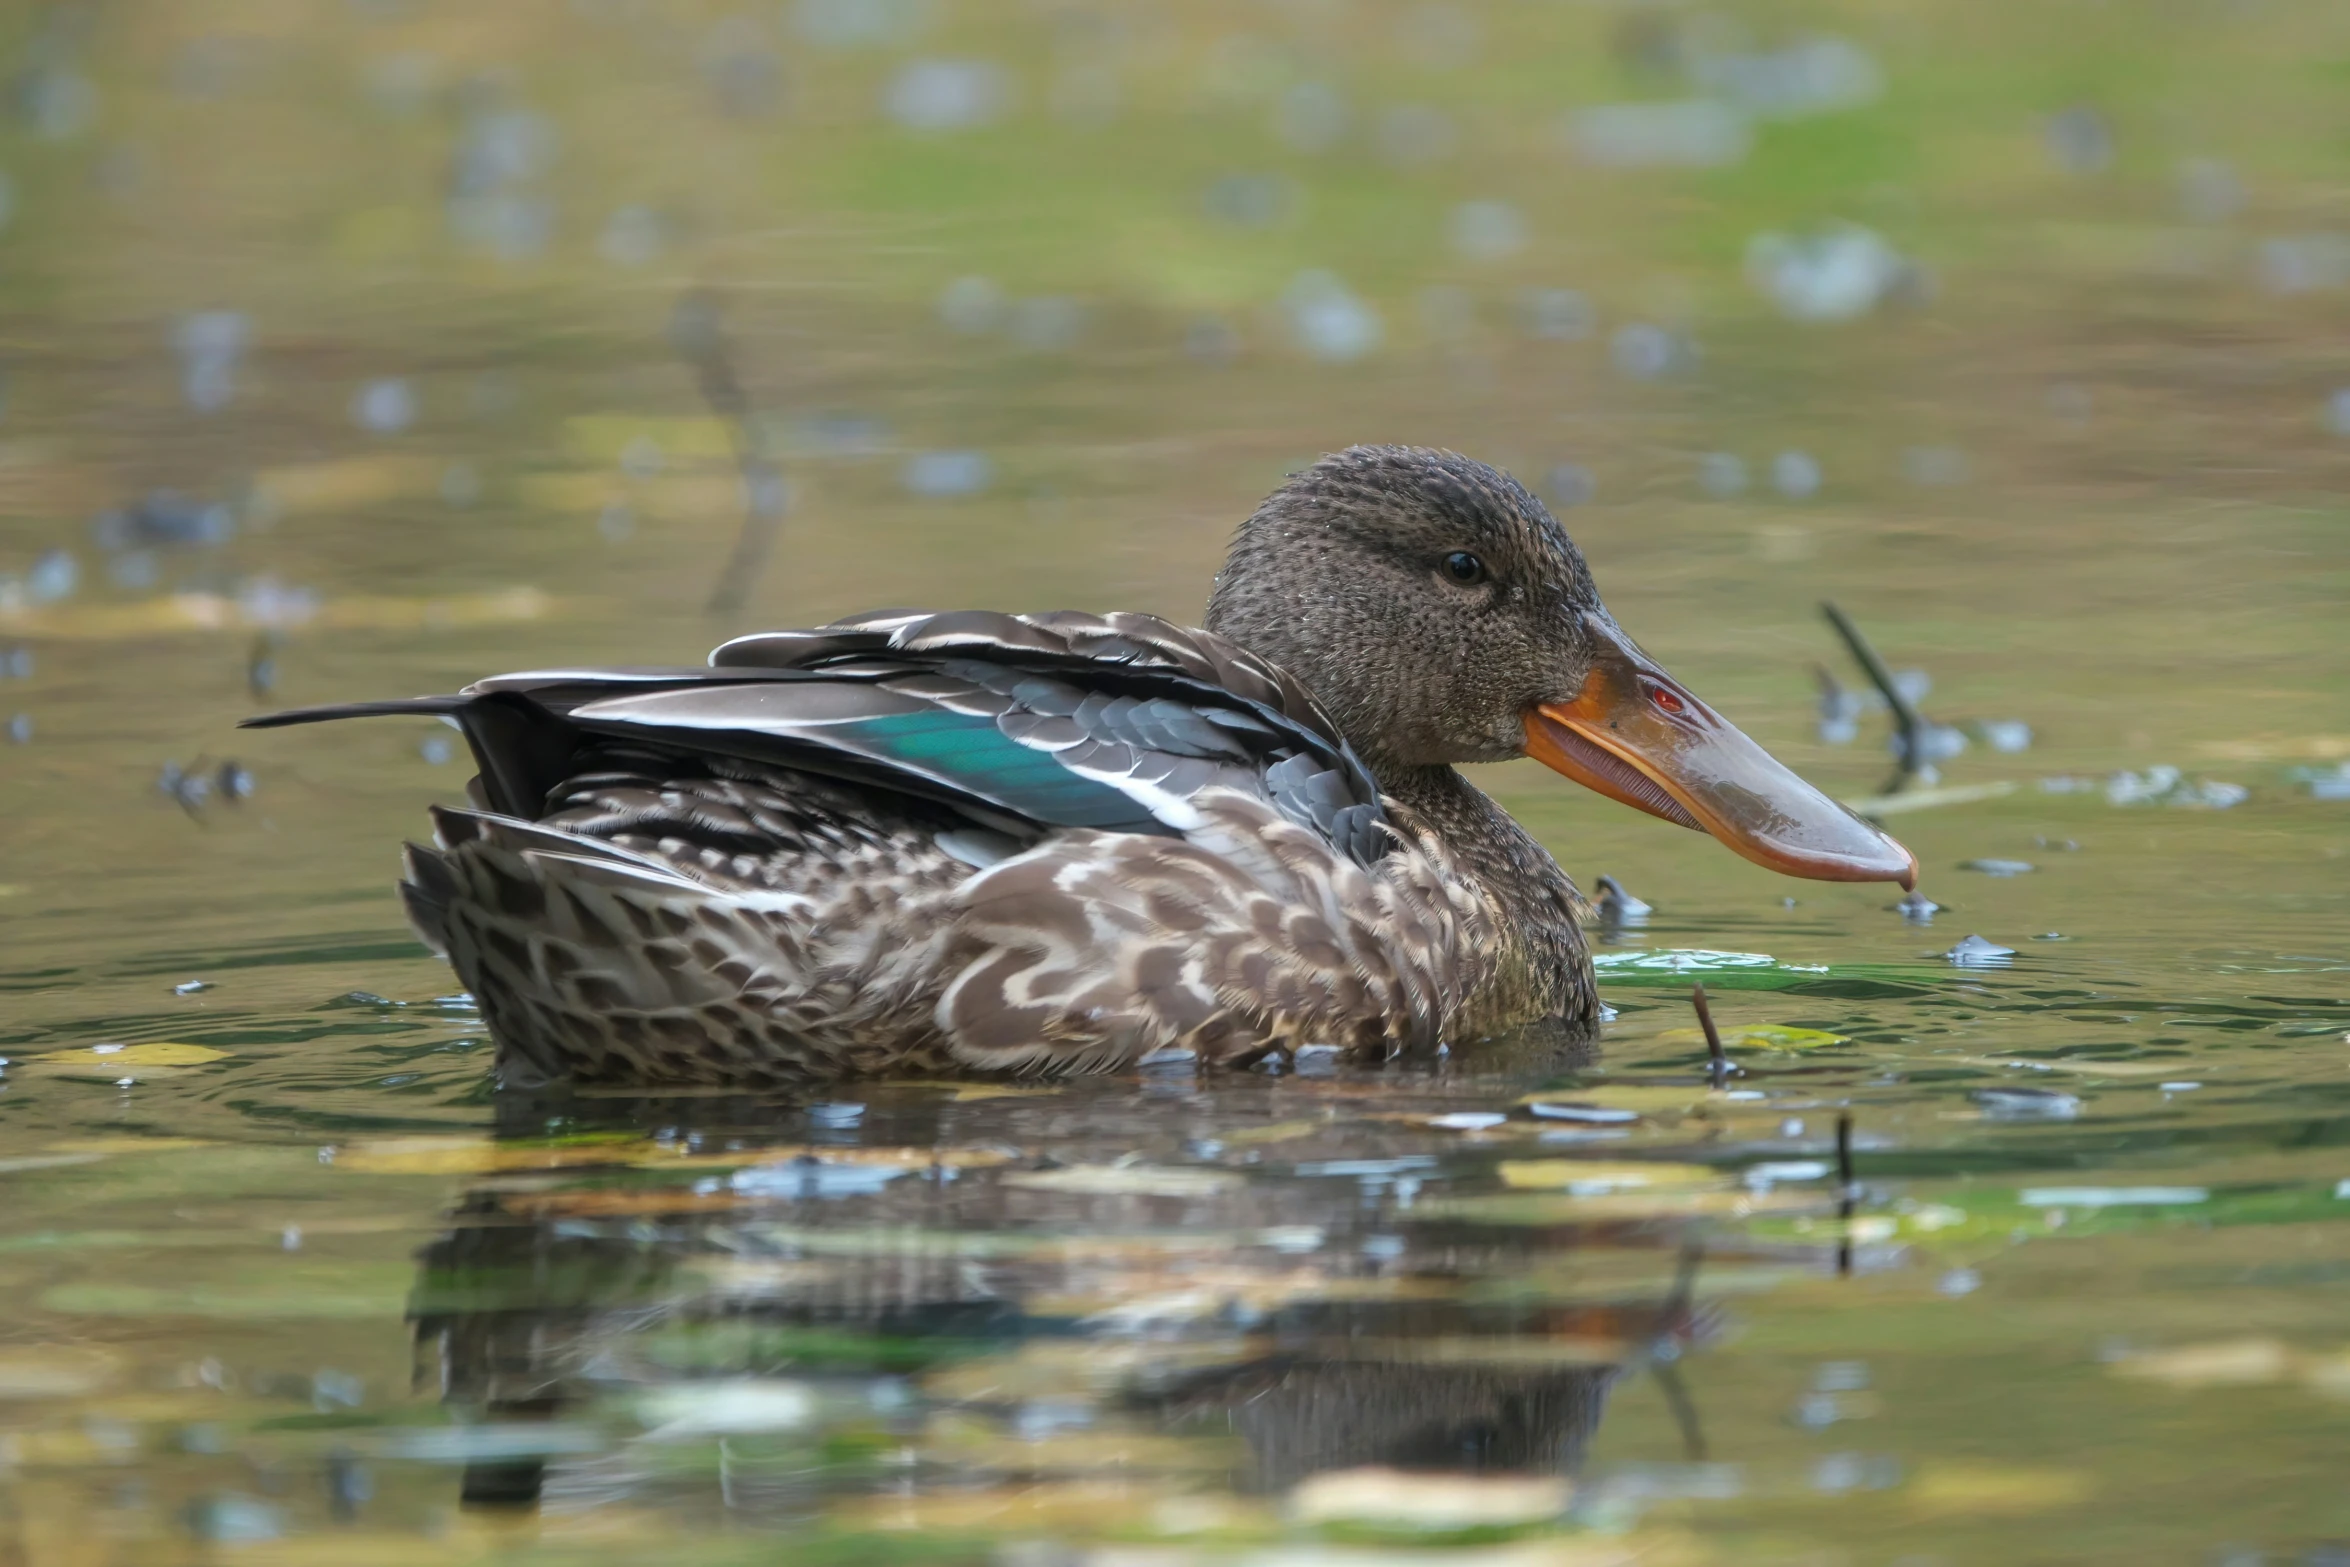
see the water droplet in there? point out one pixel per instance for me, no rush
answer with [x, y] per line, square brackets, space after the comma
[384, 407]
[1796, 475]
[948, 474]
[1328, 320]
[947, 95]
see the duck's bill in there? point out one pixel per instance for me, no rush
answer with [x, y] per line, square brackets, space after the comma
[1637, 735]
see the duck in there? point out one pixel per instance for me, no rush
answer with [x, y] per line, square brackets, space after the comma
[919, 842]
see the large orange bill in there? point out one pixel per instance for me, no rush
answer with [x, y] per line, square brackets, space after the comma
[1637, 735]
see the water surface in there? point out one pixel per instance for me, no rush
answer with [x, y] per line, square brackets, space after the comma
[291, 1281]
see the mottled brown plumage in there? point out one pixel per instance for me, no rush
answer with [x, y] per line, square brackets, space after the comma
[1063, 843]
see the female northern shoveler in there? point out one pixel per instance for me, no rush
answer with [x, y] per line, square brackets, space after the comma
[1061, 842]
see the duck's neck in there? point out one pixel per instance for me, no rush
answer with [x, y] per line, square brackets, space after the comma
[1547, 971]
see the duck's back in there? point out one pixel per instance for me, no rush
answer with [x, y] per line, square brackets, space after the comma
[1045, 843]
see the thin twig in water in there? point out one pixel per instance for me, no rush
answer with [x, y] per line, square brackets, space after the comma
[1719, 1064]
[1906, 718]
[699, 336]
[1846, 1193]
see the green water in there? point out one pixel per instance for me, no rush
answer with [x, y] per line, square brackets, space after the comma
[307, 1288]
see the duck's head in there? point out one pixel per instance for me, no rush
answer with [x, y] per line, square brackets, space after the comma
[1443, 616]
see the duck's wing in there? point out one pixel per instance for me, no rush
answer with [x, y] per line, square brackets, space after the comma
[1118, 723]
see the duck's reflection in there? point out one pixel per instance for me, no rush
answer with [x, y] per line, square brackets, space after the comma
[1033, 1305]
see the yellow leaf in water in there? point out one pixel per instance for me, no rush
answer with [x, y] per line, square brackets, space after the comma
[2328, 1374]
[2236, 1362]
[1594, 1176]
[1994, 1488]
[113, 1061]
[341, 484]
[55, 1371]
[1409, 1500]
[111, 1145]
[1759, 1036]
[479, 1155]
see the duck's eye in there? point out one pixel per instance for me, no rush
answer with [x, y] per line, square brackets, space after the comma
[1464, 567]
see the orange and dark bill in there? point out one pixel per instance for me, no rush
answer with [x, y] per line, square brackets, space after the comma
[1637, 735]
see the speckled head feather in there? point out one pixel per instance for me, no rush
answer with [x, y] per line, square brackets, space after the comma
[1341, 577]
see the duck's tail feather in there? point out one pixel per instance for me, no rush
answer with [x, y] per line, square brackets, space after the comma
[390, 707]
[522, 749]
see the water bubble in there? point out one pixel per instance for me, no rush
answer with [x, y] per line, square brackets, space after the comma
[2304, 263]
[2338, 411]
[55, 575]
[2027, 1104]
[2006, 734]
[1833, 274]
[1328, 320]
[1796, 475]
[1841, 1376]
[500, 153]
[1817, 76]
[1917, 908]
[947, 95]
[633, 237]
[1251, 201]
[1721, 474]
[501, 147]
[1556, 315]
[1815, 1411]
[1486, 230]
[1697, 133]
[58, 104]
[971, 305]
[1975, 952]
[1415, 135]
[1310, 116]
[1960, 1281]
[859, 24]
[616, 522]
[20, 728]
[230, 1519]
[436, 750]
[947, 474]
[210, 343]
[385, 406]
[2080, 140]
